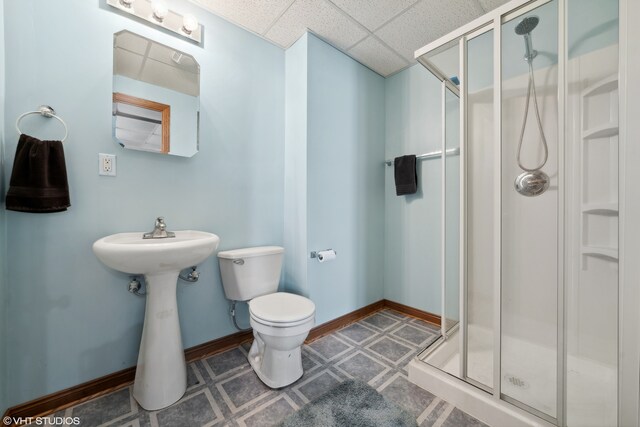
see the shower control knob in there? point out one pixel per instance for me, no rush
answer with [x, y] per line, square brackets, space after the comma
[532, 184]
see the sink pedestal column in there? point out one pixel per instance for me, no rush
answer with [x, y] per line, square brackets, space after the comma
[161, 375]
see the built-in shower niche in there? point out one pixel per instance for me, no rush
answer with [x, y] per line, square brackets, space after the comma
[592, 288]
[600, 236]
[599, 172]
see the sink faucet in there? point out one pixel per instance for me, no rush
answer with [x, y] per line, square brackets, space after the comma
[159, 231]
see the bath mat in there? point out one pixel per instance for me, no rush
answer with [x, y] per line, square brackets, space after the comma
[352, 404]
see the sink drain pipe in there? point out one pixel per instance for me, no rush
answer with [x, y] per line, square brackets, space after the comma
[135, 286]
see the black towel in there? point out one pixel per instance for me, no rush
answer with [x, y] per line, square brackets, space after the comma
[39, 177]
[405, 174]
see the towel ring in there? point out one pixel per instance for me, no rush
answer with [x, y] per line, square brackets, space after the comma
[45, 111]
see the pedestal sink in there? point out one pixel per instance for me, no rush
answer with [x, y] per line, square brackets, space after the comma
[161, 375]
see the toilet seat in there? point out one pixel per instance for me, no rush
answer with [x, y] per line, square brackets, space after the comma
[281, 309]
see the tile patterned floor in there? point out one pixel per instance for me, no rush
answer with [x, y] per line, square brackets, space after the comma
[223, 390]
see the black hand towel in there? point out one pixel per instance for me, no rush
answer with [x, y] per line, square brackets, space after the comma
[405, 174]
[39, 177]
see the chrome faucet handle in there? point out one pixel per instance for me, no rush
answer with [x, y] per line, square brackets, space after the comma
[160, 223]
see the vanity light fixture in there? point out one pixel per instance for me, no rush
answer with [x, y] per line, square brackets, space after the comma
[159, 9]
[157, 13]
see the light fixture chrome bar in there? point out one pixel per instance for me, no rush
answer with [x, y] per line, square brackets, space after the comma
[430, 155]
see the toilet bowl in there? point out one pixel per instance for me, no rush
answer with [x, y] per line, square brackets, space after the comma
[281, 321]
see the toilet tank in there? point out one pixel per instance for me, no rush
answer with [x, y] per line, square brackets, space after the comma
[250, 272]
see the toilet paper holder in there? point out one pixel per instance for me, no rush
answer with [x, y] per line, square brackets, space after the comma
[314, 254]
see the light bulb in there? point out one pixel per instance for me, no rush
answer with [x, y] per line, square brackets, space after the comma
[160, 11]
[127, 3]
[189, 23]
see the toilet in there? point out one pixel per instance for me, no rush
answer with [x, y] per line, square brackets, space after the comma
[281, 321]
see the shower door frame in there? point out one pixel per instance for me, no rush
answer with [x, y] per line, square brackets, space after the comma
[493, 21]
[629, 230]
[446, 85]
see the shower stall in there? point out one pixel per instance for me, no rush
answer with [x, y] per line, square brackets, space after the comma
[529, 310]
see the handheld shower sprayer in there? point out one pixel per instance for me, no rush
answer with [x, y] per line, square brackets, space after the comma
[533, 181]
[524, 28]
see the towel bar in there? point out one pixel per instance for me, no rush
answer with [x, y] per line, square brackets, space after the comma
[45, 111]
[430, 155]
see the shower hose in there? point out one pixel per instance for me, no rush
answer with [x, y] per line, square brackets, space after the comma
[532, 89]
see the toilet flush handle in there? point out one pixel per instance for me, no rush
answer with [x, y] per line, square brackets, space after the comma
[238, 261]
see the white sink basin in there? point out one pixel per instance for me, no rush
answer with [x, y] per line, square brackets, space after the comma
[130, 253]
[161, 374]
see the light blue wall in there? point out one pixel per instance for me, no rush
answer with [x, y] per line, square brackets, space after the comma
[412, 223]
[4, 303]
[334, 180]
[183, 136]
[72, 319]
[294, 275]
[345, 152]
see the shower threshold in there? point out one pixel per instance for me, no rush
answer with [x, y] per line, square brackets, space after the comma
[527, 371]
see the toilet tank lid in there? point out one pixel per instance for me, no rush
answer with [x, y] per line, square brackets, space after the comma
[250, 252]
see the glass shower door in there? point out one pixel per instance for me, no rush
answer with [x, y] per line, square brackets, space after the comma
[445, 352]
[451, 214]
[536, 324]
[530, 232]
[592, 214]
[480, 204]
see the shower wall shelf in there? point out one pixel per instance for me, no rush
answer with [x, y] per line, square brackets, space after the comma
[610, 209]
[601, 252]
[598, 154]
[603, 86]
[603, 131]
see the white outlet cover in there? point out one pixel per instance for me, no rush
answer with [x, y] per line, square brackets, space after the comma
[106, 158]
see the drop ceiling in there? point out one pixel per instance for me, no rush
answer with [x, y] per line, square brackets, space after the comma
[381, 34]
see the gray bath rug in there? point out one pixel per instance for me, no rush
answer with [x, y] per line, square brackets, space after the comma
[353, 404]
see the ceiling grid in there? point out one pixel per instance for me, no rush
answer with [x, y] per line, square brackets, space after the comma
[380, 34]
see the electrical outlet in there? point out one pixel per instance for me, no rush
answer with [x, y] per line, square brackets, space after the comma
[106, 164]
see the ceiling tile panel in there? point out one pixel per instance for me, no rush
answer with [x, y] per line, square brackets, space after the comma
[373, 13]
[255, 15]
[322, 18]
[401, 26]
[377, 56]
[488, 5]
[425, 22]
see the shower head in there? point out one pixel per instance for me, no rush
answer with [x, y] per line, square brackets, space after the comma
[524, 28]
[527, 25]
